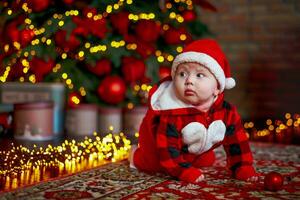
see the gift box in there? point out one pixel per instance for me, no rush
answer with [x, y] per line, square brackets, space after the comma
[15, 92]
[82, 120]
[33, 121]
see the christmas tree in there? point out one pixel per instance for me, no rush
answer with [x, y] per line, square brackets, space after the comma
[106, 52]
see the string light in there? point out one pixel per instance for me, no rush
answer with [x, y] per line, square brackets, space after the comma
[274, 128]
[98, 48]
[61, 23]
[69, 157]
[160, 59]
[82, 91]
[130, 106]
[131, 46]
[140, 16]
[75, 100]
[32, 78]
[117, 44]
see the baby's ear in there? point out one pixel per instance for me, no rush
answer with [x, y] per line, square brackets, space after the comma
[217, 92]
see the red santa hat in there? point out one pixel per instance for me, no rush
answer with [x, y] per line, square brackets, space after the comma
[208, 53]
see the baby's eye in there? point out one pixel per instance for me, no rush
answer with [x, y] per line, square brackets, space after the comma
[200, 75]
[182, 74]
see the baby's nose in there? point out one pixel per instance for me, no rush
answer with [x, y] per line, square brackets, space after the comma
[189, 80]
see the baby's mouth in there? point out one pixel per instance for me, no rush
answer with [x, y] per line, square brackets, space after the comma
[189, 92]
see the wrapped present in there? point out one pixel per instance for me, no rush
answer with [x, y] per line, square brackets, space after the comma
[15, 92]
[33, 121]
[82, 120]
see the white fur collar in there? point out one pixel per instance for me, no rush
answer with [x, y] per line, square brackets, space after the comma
[164, 98]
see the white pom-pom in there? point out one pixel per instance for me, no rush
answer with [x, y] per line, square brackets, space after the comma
[229, 83]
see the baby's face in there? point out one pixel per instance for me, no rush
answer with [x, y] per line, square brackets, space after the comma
[195, 84]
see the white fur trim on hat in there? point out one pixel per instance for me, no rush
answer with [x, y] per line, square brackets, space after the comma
[205, 60]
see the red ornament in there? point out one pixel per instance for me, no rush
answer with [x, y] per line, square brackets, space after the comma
[16, 71]
[102, 67]
[147, 30]
[164, 71]
[176, 36]
[41, 67]
[189, 15]
[67, 43]
[87, 25]
[26, 36]
[145, 49]
[95, 27]
[38, 5]
[98, 27]
[112, 89]
[12, 32]
[133, 69]
[81, 28]
[273, 181]
[120, 22]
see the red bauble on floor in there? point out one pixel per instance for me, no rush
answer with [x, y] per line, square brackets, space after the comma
[273, 181]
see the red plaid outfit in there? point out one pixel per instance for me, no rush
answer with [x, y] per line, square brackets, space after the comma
[161, 148]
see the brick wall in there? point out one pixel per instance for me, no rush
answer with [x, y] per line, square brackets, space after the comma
[261, 39]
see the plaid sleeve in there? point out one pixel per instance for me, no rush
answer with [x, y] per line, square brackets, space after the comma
[168, 144]
[236, 145]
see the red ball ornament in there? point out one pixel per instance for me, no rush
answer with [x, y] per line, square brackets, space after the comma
[102, 67]
[133, 69]
[38, 5]
[273, 181]
[177, 36]
[26, 36]
[164, 71]
[148, 30]
[120, 22]
[66, 43]
[112, 89]
[41, 67]
[145, 49]
[189, 15]
[12, 32]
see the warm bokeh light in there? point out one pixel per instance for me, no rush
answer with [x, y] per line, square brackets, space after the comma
[276, 130]
[23, 166]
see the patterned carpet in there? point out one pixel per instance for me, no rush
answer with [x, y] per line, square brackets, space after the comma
[117, 181]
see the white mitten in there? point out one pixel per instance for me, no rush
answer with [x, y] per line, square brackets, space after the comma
[193, 132]
[216, 132]
[202, 139]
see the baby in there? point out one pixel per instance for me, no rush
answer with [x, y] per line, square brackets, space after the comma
[188, 117]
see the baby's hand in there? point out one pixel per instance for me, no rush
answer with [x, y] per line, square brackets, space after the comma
[200, 178]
